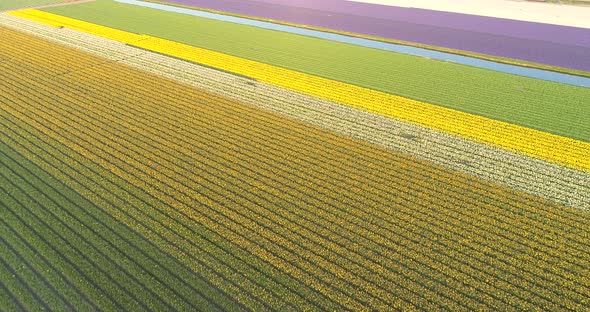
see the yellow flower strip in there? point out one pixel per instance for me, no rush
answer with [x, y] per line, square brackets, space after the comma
[564, 151]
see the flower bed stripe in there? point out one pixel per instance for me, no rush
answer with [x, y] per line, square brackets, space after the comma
[557, 149]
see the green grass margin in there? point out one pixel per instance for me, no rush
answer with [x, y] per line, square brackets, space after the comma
[487, 57]
[8, 5]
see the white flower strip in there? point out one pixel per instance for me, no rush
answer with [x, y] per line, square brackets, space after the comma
[537, 177]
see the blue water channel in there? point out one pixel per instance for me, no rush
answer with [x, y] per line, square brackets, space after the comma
[436, 55]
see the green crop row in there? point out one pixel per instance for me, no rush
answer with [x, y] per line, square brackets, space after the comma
[85, 255]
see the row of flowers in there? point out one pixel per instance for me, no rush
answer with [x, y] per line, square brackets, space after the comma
[569, 193]
[149, 173]
[290, 239]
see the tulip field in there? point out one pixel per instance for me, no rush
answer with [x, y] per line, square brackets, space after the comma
[139, 173]
[555, 148]
[516, 40]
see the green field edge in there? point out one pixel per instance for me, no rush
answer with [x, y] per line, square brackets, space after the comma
[14, 5]
[486, 57]
[30, 178]
[556, 108]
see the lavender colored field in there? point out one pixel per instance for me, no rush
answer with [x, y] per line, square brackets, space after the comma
[498, 26]
[541, 43]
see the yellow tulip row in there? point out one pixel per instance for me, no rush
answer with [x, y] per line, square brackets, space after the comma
[557, 149]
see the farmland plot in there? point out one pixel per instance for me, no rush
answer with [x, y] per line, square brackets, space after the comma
[509, 136]
[19, 4]
[563, 185]
[533, 103]
[253, 210]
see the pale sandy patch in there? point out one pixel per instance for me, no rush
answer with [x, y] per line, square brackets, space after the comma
[551, 13]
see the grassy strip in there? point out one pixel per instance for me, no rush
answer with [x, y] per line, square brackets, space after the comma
[533, 103]
[565, 187]
[486, 57]
[19, 4]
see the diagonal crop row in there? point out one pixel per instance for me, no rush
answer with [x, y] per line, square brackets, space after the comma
[511, 137]
[514, 170]
[132, 252]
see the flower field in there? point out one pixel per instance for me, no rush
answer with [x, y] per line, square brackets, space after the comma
[510, 38]
[558, 108]
[558, 149]
[19, 4]
[547, 180]
[133, 180]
